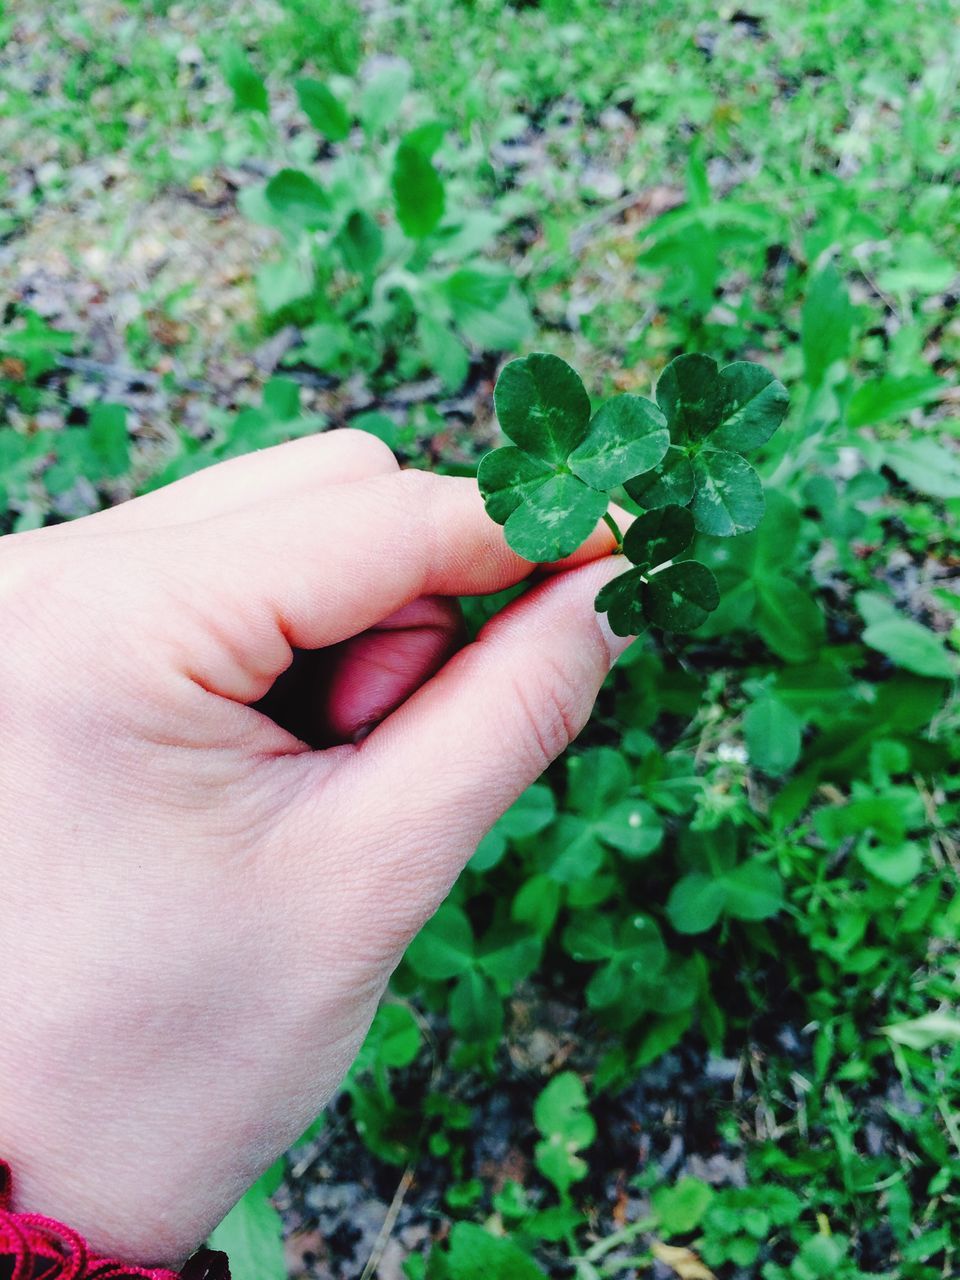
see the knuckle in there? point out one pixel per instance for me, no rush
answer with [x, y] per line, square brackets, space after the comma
[418, 487]
[368, 451]
[553, 712]
[418, 499]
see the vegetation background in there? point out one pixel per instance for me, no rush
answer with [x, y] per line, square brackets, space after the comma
[692, 1009]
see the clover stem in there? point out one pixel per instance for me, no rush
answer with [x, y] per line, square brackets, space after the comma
[614, 528]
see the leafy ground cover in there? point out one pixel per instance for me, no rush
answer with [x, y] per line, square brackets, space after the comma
[691, 1009]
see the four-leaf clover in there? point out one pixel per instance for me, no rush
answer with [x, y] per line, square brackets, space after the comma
[679, 460]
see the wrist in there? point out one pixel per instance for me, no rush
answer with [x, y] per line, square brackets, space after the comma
[34, 1244]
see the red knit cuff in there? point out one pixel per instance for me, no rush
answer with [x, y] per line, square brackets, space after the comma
[36, 1248]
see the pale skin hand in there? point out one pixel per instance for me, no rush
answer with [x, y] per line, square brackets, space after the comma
[198, 911]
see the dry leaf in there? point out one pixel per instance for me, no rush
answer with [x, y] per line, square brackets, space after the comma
[683, 1261]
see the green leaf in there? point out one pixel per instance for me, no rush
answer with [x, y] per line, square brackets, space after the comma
[680, 597]
[443, 351]
[621, 600]
[695, 903]
[728, 497]
[826, 324]
[554, 519]
[542, 406]
[626, 437]
[919, 267]
[537, 904]
[911, 646]
[535, 809]
[589, 938]
[392, 1041]
[658, 536]
[819, 1257]
[633, 827]
[444, 946]
[671, 482]
[249, 90]
[773, 739]
[252, 1235]
[488, 307]
[596, 779]
[396, 1035]
[507, 478]
[569, 850]
[755, 403]
[427, 137]
[489, 852]
[476, 1255]
[890, 397]
[323, 109]
[360, 242]
[36, 343]
[508, 954]
[788, 619]
[298, 199]
[925, 465]
[281, 399]
[560, 1113]
[283, 282]
[691, 396]
[923, 1033]
[383, 95]
[107, 433]
[417, 191]
[897, 865]
[476, 1011]
[324, 345]
[559, 1107]
[680, 1209]
[753, 891]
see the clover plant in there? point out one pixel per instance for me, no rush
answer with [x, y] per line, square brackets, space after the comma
[678, 459]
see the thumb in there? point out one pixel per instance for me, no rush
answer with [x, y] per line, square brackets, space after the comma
[313, 570]
[443, 767]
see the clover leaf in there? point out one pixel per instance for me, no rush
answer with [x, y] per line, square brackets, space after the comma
[728, 496]
[551, 486]
[679, 459]
[670, 482]
[626, 436]
[542, 406]
[676, 597]
[713, 415]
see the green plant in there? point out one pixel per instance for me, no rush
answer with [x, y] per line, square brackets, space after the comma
[384, 265]
[679, 459]
[29, 351]
[567, 1128]
[475, 1254]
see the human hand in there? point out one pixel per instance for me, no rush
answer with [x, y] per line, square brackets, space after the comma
[199, 911]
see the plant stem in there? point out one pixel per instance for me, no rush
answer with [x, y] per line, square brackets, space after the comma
[623, 1236]
[614, 528]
